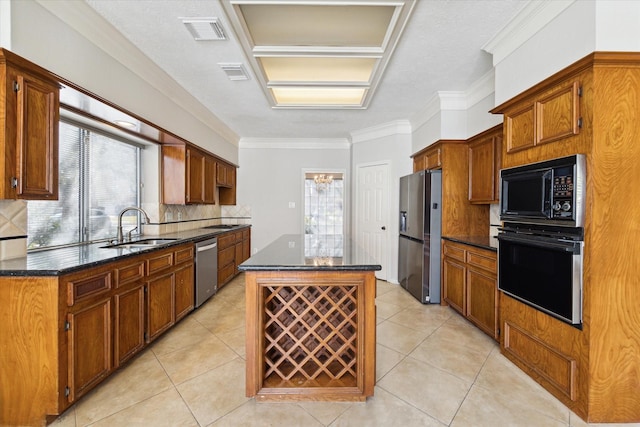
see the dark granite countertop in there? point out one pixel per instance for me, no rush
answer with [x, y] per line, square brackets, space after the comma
[483, 242]
[297, 252]
[55, 262]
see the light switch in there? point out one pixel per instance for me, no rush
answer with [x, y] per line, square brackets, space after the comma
[292, 205]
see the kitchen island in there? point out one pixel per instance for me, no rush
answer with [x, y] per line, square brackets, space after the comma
[310, 321]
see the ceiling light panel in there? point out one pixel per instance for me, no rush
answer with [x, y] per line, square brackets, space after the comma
[318, 69]
[305, 25]
[306, 96]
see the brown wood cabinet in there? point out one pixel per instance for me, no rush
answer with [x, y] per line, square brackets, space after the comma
[548, 116]
[459, 217]
[469, 278]
[234, 248]
[593, 370]
[29, 115]
[226, 179]
[193, 176]
[485, 152]
[188, 175]
[87, 323]
[129, 310]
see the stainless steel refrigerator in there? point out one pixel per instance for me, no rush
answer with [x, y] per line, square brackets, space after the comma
[420, 232]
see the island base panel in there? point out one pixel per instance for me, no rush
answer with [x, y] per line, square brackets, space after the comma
[310, 335]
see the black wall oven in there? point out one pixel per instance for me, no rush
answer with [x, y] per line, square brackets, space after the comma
[542, 267]
[541, 243]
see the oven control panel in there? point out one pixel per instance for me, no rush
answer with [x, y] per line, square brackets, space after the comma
[562, 196]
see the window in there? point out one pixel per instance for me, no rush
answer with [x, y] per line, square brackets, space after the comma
[99, 176]
[323, 214]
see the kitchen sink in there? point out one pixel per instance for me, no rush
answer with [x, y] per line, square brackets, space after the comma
[144, 243]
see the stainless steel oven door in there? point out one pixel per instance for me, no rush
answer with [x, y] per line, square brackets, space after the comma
[544, 271]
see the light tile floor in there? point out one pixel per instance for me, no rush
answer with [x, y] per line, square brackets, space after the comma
[433, 369]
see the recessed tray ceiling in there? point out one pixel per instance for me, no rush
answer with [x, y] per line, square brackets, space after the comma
[318, 54]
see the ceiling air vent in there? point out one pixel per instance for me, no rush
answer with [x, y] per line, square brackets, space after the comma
[235, 71]
[205, 28]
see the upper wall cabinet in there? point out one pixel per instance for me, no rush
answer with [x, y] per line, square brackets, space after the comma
[484, 166]
[192, 176]
[29, 115]
[188, 174]
[459, 217]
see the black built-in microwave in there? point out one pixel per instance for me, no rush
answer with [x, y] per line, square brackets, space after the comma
[547, 193]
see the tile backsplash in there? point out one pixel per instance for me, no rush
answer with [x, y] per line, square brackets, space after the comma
[173, 218]
[13, 228]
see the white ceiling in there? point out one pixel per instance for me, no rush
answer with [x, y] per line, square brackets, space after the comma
[439, 50]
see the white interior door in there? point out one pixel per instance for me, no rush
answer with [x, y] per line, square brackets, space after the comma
[372, 214]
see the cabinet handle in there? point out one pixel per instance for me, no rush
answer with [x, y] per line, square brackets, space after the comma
[14, 182]
[16, 86]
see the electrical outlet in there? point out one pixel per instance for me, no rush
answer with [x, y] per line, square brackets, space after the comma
[179, 216]
[168, 216]
[292, 205]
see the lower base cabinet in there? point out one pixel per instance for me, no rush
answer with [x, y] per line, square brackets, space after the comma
[160, 304]
[129, 327]
[86, 325]
[234, 248]
[89, 347]
[469, 284]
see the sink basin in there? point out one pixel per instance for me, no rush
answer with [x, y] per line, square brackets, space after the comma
[144, 243]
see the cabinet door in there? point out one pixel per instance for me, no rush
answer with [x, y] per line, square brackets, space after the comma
[37, 138]
[89, 346]
[482, 297]
[195, 176]
[209, 191]
[484, 181]
[453, 279]
[433, 159]
[129, 323]
[520, 128]
[246, 245]
[160, 305]
[558, 113]
[184, 283]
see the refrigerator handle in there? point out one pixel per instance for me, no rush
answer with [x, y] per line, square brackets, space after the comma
[403, 221]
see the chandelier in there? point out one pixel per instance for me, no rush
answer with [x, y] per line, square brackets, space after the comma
[322, 181]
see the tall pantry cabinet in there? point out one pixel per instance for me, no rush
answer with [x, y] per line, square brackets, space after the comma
[590, 107]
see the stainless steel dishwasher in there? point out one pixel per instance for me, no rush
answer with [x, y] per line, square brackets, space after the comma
[206, 270]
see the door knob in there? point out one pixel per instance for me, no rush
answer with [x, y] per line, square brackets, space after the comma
[384, 228]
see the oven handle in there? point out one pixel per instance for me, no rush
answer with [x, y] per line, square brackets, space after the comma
[572, 247]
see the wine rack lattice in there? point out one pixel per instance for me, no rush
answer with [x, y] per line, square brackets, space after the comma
[310, 335]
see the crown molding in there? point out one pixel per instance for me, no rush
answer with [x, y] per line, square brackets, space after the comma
[397, 127]
[295, 143]
[89, 24]
[530, 20]
[481, 88]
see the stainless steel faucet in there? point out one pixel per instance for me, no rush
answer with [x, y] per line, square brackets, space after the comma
[120, 237]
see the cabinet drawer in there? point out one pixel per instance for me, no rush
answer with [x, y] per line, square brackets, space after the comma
[238, 236]
[226, 256]
[159, 262]
[484, 260]
[184, 255]
[245, 234]
[83, 288]
[453, 252]
[226, 240]
[129, 273]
